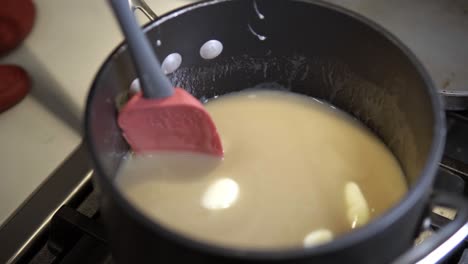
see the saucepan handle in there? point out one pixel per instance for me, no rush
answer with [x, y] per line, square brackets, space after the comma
[439, 245]
[143, 7]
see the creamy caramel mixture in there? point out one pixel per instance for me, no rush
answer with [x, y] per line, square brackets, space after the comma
[296, 172]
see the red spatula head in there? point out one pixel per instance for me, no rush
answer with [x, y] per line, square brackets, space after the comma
[177, 123]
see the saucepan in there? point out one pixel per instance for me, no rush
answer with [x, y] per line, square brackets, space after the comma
[308, 47]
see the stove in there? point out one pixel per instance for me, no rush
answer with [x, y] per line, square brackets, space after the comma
[60, 222]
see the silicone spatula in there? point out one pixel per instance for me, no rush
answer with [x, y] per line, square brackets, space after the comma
[161, 118]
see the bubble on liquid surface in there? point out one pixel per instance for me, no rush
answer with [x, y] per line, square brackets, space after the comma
[221, 194]
[171, 63]
[135, 86]
[211, 49]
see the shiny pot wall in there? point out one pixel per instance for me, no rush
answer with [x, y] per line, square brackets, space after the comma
[305, 47]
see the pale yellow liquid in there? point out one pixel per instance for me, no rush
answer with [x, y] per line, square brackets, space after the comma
[287, 160]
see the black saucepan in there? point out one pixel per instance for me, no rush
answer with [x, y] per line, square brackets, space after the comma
[307, 47]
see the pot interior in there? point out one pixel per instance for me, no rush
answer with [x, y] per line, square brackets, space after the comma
[293, 45]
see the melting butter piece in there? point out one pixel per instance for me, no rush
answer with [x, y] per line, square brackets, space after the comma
[357, 208]
[318, 237]
[221, 194]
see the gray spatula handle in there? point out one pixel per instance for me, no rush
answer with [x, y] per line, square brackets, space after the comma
[153, 81]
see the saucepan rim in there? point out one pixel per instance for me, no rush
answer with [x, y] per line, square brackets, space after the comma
[419, 190]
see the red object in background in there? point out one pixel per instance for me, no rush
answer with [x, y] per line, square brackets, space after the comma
[16, 21]
[14, 85]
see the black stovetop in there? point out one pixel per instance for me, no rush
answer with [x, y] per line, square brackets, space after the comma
[60, 222]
